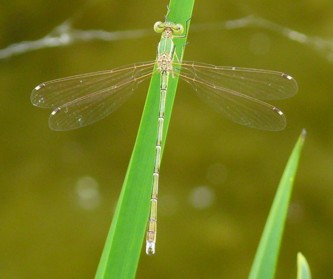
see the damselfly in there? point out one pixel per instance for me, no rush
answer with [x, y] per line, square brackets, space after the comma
[237, 93]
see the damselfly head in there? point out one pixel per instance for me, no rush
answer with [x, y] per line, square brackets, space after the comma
[175, 28]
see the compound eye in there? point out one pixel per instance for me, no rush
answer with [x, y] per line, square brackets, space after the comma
[178, 29]
[159, 27]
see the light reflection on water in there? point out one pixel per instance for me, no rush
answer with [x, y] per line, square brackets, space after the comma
[87, 193]
[201, 197]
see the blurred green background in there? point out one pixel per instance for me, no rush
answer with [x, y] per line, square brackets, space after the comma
[218, 179]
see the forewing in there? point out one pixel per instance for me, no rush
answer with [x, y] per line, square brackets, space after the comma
[259, 84]
[84, 99]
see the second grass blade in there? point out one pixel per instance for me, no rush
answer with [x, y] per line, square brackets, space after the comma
[264, 264]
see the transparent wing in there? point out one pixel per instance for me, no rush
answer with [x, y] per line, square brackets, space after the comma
[81, 100]
[235, 92]
[259, 84]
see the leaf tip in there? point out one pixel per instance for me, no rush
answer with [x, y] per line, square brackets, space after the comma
[303, 134]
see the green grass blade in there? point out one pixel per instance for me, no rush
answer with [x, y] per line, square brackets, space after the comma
[264, 264]
[124, 241]
[303, 269]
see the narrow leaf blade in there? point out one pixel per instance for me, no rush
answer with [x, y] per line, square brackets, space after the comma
[265, 261]
[303, 269]
[123, 246]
